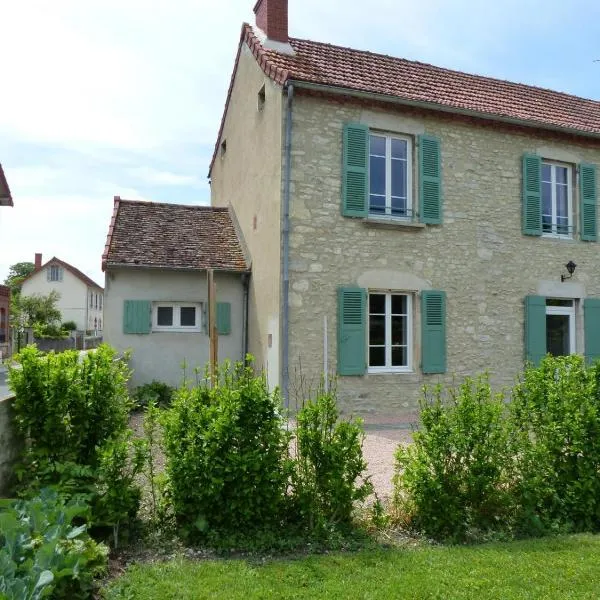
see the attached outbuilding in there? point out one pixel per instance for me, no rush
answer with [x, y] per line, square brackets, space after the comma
[156, 260]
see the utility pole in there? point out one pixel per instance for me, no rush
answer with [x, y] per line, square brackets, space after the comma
[212, 328]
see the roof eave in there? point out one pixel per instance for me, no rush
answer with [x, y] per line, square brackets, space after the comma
[330, 89]
[118, 265]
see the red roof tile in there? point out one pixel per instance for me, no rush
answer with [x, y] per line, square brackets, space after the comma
[172, 236]
[420, 83]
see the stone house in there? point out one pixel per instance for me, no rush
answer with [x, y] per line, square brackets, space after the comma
[156, 294]
[427, 214]
[80, 298]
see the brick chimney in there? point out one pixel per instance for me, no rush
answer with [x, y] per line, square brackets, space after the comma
[38, 261]
[272, 18]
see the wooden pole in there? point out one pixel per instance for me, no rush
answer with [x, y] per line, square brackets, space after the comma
[212, 328]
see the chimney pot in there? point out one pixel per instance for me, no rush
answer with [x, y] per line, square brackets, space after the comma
[272, 18]
[38, 260]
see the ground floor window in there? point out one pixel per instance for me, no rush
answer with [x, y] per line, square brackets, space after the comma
[389, 332]
[176, 316]
[560, 327]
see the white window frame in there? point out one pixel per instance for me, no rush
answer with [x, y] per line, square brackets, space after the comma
[388, 176]
[388, 332]
[177, 306]
[55, 269]
[570, 312]
[570, 223]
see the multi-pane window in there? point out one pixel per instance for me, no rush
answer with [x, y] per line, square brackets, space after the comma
[55, 273]
[390, 332]
[560, 327]
[390, 176]
[176, 316]
[100, 301]
[557, 210]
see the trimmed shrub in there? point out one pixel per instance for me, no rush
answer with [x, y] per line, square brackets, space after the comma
[329, 465]
[74, 412]
[226, 456]
[42, 553]
[452, 482]
[555, 422]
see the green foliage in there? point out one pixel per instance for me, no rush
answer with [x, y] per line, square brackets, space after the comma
[328, 465]
[44, 554]
[16, 274]
[226, 455]
[158, 392]
[451, 481]
[38, 308]
[479, 466]
[555, 415]
[51, 331]
[74, 413]
[69, 326]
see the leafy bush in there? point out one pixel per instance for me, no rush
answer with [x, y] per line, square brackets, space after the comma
[226, 456]
[74, 414]
[329, 465]
[158, 392]
[555, 417]
[69, 326]
[452, 481]
[42, 553]
[49, 331]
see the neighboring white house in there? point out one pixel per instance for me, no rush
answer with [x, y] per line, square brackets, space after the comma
[156, 299]
[81, 299]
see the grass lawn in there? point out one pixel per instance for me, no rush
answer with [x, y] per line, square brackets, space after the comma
[561, 568]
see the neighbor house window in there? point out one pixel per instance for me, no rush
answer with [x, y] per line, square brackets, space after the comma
[101, 301]
[176, 316]
[560, 327]
[55, 273]
[557, 204]
[91, 300]
[390, 176]
[390, 332]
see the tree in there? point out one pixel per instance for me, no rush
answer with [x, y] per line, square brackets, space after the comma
[37, 308]
[16, 274]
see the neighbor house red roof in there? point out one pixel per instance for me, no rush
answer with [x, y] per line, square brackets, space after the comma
[172, 236]
[74, 270]
[422, 84]
[5, 195]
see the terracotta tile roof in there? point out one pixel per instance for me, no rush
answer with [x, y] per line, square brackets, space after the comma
[172, 236]
[5, 195]
[420, 83]
[74, 270]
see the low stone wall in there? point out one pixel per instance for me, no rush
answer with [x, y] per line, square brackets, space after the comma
[10, 445]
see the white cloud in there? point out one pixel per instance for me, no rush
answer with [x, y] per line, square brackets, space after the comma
[158, 177]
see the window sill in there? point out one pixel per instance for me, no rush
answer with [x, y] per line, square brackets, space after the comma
[556, 236]
[177, 330]
[392, 223]
[383, 371]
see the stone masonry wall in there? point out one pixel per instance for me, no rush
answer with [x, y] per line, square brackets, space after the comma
[478, 255]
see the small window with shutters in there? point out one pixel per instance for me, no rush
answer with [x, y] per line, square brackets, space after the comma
[176, 316]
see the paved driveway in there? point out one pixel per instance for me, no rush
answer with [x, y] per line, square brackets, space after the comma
[4, 391]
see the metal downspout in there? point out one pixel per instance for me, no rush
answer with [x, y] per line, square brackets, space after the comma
[285, 329]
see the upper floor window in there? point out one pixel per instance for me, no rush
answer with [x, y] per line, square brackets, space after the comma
[55, 273]
[390, 176]
[557, 202]
[91, 299]
[101, 301]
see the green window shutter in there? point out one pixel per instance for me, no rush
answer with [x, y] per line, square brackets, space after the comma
[591, 327]
[352, 334]
[223, 318]
[587, 195]
[532, 194]
[137, 316]
[430, 179]
[433, 331]
[355, 176]
[535, 329]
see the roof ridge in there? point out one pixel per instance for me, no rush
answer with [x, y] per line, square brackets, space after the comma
[179, 205]
[439, 68]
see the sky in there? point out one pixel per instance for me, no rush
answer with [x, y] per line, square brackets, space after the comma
[100, 98]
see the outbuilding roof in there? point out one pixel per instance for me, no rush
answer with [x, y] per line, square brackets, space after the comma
[172, 236]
